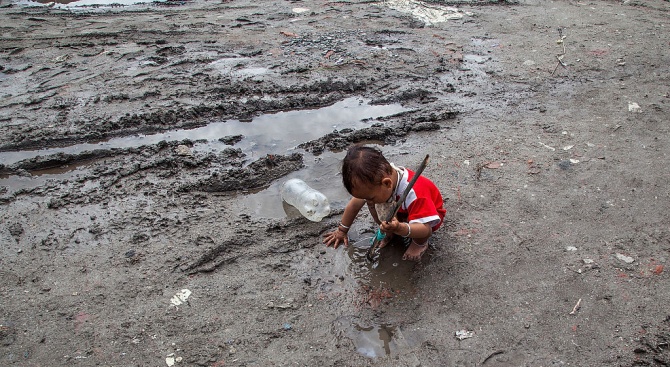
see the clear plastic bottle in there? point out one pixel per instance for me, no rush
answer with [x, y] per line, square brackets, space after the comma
[311, 203]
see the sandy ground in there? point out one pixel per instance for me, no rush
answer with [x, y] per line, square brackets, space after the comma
[547, 127]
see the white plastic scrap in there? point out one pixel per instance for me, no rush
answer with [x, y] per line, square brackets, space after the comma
[300, 10]
[428, 13]
[464, 334]
[181, 297]
[633, 107]
[624, 258]
[170, 360]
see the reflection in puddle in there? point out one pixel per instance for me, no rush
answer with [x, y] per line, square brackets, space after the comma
[267, 134]
[373, 341]
[98, 3]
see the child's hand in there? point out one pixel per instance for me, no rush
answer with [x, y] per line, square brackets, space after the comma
[394, 226]
[335, 238]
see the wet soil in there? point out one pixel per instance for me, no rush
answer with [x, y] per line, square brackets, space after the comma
[547, 128]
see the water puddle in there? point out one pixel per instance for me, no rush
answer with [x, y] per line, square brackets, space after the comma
[99, 3]
[375, 341]
[274, 133]
[277, 133]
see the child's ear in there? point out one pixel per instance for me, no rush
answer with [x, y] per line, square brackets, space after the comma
[387, 182]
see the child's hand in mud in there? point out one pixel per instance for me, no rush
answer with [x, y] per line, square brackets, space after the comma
[336, 238]
[394, 226]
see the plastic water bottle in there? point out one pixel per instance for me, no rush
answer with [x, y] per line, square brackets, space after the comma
[311, 203]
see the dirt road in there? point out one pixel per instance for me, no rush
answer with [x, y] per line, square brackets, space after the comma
[142, 148]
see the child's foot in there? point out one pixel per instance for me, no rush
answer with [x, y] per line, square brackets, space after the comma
[415, 251]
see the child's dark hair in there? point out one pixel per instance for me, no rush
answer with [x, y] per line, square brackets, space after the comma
[364, 164]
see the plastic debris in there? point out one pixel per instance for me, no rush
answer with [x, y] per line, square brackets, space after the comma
[183, 150]
[624, 258]
[633, 107]
[577, 306]
[464, 334]
[300, 10]
[427, 13]
[181, 297]
[571, 248]
[170, 360]
[287, 326]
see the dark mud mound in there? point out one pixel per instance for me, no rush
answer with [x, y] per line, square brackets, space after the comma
[256, 175]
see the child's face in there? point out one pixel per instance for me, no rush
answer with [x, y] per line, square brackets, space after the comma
[376, 194]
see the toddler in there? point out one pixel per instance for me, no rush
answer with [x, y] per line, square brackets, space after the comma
[372, 180]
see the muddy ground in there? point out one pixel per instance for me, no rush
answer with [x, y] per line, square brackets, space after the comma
[547, 127]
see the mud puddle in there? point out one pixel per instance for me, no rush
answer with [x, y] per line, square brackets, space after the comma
[276, 133]
[267, 134]
[375, 340]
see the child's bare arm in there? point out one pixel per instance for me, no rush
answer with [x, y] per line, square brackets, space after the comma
[339, 235]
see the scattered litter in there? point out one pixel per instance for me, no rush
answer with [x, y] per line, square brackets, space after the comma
[577, 306]
[633, 107]
[287, 326]
[571, 248]
[574, 161]
[529, 62]
[181, 297]
[568, 147]
[183, 150]
[464, 334]
[624, 258]
[588, 261]
[300, 10]
[285, 305]
[493, 165]
[428, 13]
[170, 360]
[546, 146]
[658, 269]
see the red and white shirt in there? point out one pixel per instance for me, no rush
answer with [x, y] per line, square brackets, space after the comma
[424, 201]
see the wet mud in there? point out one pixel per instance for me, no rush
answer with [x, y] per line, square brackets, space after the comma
[142, 147]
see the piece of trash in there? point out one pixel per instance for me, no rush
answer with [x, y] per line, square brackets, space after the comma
[329, 54]
[577, 306]
[633, 107]
[571, 248]
[658, 269]
[428, 13]
[529, 62]
[283, 306]
[183, 150]
[288, 34]
[493, 165]
[170, 360]
[574, 161]
[287, 326]
[300, 10]
[181, 297]
[624, 258]
[587, 261]
[568, 147]
[464, 334]
[547, 146]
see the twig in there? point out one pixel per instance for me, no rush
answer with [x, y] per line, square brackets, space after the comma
[577, 306]
[561, 41]
[491, 356]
